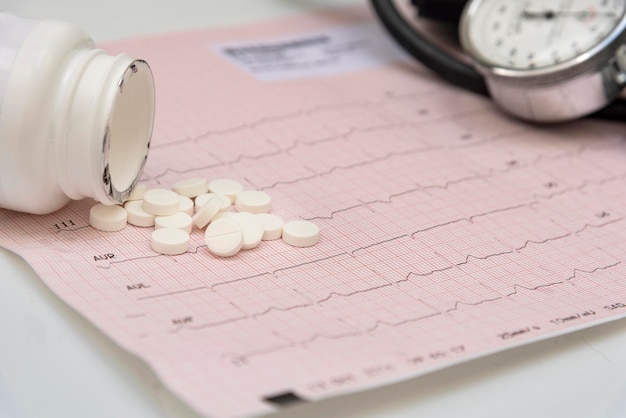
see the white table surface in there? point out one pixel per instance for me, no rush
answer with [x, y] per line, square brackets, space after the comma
[53, 363]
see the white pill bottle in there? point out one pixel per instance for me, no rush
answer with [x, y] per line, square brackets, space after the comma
[75, 122]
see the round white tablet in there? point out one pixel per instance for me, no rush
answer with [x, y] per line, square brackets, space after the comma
[138, 191]
[169, 241]
[136, 215]
[160, 202]
[272, 226]
[191, 187]
[108, 218]
[203, 198]
[204, 215]
[223, 237]
[254, 201]
[301, 233]
[223, 215]
[226, 187]
[178, 220]
[251, 227]
[185, 205]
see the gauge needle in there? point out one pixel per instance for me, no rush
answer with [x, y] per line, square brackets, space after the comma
[551, 14]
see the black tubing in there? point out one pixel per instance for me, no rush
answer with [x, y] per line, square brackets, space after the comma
[422, 49]
[442, 10]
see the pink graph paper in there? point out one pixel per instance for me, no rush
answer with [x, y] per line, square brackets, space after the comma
[449, 231]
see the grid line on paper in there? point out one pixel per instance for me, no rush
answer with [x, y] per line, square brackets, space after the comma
[448, 231]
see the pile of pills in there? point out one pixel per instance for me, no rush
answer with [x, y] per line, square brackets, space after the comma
[232, 218]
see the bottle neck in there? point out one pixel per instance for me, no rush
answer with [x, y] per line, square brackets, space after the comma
[109, 119]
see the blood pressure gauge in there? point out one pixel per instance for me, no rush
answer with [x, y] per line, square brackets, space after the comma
[548, 60]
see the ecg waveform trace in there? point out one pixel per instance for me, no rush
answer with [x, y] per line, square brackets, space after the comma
[448, 231]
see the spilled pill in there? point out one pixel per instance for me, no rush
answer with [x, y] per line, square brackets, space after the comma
[211, 208]
[169, 241]
[301, 233]
[224, 237]
[202, 199]
[272, 226]
[254, 201]
[251, 228]
[108, 218]
[226, 187]
[171, 213]
[178, 220]
[136, 215]
[137, 193]
[185, 205]
[191, 187]
[160, 202]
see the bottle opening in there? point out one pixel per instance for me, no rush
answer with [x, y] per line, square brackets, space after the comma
[129, 130]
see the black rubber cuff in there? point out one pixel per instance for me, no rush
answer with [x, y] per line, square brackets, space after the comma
[442, 10]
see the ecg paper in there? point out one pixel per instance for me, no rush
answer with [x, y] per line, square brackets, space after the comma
[448, 231]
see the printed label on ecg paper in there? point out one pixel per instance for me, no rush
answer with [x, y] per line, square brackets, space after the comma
[313, 54]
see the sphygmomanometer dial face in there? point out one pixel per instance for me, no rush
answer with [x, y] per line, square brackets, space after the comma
[548, 60]
[535, 34]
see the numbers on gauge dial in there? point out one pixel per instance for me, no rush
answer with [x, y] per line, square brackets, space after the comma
[527, 34]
